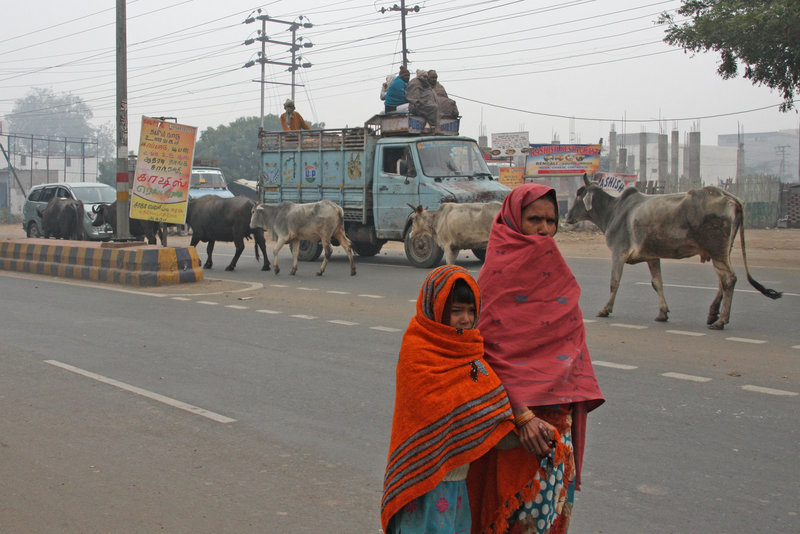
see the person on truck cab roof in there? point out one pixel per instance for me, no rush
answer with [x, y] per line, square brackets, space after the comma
[292, 120]
[396, 93]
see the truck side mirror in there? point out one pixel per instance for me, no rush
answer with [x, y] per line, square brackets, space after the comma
[403, 168]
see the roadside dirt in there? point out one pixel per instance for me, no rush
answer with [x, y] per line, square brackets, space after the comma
[773, 247]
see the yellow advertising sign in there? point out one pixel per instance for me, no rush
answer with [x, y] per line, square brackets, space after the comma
[160, 186]
[512, 176]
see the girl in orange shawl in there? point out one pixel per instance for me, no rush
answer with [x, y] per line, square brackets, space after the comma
[535, 342]
[450, 409]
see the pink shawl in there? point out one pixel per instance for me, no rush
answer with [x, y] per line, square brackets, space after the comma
[531, 322]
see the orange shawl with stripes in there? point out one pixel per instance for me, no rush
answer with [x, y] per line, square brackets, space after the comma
[450, 407]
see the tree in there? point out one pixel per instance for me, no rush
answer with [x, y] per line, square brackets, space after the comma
[763, 35]
[235, 146]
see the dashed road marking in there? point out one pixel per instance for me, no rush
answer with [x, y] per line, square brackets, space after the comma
[181, 298]
[278, 285]
[301, 316]
[632, 326]
[746, 340]
[587, 321]
[307, 288]
[685, 333]
[372, 296]
[207, 302]
[613, 365]
[384, 328]
[770, 391]
[345, 323]
[237, 307]
[681, 376]
[796, 347]
[715, 288]
[271, 312]
[338, 292]
[144, 393]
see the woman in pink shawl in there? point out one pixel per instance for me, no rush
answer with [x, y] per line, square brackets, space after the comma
[535, 341]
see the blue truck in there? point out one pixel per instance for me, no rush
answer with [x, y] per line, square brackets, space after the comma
[378, 173]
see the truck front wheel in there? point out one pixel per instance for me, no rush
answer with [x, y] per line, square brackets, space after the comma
[309, 251]
[423, 252]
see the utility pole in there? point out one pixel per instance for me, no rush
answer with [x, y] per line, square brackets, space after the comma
[403, 10]
[123, 179]
[296, 44]
[781, 151]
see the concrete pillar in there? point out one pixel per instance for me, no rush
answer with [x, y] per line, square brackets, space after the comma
[623, 160]
[643, 157]
[674, 170]
[612, 151]
[694, 159]
[662, 161]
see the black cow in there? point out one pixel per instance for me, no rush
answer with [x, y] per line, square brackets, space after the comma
[62, 218]
[645, 228]
[214, 218]
[107, 213]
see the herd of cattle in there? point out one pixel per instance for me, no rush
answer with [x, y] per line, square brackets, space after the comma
[637, 227]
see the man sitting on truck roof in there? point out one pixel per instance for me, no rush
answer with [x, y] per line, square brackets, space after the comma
[422, 99]
[291, 120]
[396, 93]
[447, 106]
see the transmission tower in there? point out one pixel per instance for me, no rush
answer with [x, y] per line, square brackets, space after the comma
[781, 151]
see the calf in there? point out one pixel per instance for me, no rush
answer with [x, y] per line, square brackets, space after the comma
[214, 218]
[641, 227]
[456, 226]
[314, 221]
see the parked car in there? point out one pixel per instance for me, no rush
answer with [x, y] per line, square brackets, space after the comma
[90, 194]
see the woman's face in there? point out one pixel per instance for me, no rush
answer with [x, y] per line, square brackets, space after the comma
[539, 218]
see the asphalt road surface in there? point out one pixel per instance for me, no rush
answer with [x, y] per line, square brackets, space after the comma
[259, 403]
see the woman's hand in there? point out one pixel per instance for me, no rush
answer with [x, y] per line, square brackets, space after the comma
[537, 436]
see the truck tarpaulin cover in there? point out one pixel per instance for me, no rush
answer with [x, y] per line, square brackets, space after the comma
[160, 187]
[554, 160]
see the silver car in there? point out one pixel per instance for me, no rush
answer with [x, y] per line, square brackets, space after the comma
[90, 194]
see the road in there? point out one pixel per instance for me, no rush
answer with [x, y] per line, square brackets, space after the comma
[255, 403]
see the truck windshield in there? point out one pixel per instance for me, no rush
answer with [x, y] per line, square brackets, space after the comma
[451, 158]
[207, 180]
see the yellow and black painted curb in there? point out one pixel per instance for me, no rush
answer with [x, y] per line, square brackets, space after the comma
[144, 265]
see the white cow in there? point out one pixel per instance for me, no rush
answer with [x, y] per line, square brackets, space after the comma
[456, 226]
[314, 221]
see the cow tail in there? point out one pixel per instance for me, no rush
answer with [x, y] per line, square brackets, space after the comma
[739, 225]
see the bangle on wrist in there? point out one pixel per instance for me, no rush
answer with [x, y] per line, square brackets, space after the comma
[522, 419]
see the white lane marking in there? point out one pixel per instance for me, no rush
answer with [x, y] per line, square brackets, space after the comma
[633, 326]
[587, 321]
[685, 333]
[413, 300]
[681, 286]
[746, 340]
[278, 285]
[207, 302]
[307, 289]
[272, 312]
[796, 347]
[372, 296]
[338, 292]
[384, 328]
[237, 307]
[301, 316]
[681, 376]
[613, 365]
[180, 298]
[339, 321]
[145, 393]
[770, 391]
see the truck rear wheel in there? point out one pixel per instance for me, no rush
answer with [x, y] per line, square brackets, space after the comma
[309, 251]
[423, 252]
[367, 250]
[480, 253]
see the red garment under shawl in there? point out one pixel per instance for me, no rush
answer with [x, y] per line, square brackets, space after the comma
[534, 338]
[450, 407]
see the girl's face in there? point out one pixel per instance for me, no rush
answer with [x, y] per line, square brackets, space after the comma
[462, 315]
[539, 218]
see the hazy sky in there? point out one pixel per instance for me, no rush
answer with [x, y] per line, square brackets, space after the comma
[524, 65]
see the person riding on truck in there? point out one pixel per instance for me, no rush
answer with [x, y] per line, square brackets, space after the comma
[291, 120]
[396, 93]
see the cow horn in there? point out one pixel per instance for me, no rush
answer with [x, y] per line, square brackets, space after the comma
[413, 208]
[94, 208]
[586, 180]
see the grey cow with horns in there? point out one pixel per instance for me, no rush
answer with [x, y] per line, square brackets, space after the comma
[314, 221]
[645, 228]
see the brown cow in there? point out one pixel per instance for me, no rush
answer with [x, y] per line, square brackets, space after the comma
[641, 227]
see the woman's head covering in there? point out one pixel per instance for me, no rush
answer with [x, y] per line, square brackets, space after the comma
[519, 198]
[450, 407]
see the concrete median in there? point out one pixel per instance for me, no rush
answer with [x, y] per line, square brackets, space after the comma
[133, 264]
